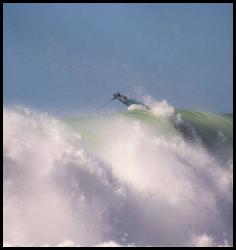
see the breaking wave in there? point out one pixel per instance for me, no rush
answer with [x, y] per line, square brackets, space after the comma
[137, 178]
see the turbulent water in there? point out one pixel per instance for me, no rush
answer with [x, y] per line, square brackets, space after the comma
[136, 178]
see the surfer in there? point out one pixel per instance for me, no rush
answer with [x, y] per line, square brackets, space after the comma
[127, 101]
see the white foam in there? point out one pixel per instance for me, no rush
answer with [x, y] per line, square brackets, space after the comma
[137, 188]
[205, 240]
[162, 108]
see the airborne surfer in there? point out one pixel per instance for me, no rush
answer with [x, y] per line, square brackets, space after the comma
[127, 101]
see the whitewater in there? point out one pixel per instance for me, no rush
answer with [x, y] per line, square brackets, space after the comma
[135, 178]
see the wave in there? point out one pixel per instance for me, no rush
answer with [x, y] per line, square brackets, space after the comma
[135, 178]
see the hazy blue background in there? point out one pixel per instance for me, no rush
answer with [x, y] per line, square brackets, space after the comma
[72, 57]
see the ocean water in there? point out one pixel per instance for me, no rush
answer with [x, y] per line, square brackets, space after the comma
[136, 178]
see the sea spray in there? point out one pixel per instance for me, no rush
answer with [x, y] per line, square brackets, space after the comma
[158, 108]
[113, 181]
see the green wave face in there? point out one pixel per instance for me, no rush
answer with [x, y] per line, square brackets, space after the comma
[213, 131]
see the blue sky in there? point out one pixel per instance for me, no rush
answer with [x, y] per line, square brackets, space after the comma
[73, 57]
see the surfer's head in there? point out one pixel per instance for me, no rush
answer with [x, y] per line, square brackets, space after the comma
[117, 95]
